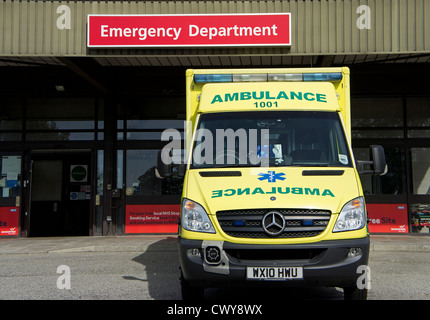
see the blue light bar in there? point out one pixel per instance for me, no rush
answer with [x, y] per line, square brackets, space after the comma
[205, 78]
[336, 76]
[218, 78]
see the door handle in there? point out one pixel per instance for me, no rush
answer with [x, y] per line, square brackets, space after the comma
[55, 207]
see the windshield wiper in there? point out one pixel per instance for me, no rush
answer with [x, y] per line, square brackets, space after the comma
[247, 165]
[236, 165]
[310, 164]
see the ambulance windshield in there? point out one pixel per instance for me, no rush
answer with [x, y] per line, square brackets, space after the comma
[270, 138]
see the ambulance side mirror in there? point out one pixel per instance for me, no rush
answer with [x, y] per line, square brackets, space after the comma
[378, 164]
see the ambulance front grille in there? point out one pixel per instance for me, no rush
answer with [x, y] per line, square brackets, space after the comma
[299, 223]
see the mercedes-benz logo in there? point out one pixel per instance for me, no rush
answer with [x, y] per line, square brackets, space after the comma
[273, 223]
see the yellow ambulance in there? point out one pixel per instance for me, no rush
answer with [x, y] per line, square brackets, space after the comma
[271, 192]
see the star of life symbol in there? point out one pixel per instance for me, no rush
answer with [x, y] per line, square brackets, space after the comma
[271, 176]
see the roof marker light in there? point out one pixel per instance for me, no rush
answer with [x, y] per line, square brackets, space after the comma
[205, 78]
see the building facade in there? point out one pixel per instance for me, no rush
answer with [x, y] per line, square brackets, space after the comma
[81, 124]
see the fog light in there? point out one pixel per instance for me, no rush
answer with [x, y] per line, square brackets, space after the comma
[213, 255]
[194, 252]
[355, 252]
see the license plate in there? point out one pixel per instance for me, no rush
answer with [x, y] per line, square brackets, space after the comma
[274, 273]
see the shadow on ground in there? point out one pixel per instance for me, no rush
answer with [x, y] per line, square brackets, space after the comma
[161, 263]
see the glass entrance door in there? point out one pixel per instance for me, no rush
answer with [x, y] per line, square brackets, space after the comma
[60, 194]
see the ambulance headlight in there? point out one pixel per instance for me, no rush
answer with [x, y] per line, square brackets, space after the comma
[352, 216]
[195, 218]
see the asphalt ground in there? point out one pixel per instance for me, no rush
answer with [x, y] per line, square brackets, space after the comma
[140, 267]
[168, 242]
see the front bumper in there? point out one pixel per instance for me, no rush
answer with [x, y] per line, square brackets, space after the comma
[324, 263]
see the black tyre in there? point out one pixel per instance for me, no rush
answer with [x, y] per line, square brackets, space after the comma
[353, 293]
[189, 292]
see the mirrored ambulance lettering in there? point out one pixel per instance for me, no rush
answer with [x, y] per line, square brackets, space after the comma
[273, 190]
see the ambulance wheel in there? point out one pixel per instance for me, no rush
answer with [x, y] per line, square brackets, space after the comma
[190, 292]
[353, 293]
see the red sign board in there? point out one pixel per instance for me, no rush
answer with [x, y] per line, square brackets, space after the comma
[143, 218]
[9, 221]
[388, 218]
[202, 30]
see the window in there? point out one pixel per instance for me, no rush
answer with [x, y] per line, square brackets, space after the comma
[151, 129]
[377, 117]
[420, 218]
[10, 177]
[10, 119]
[420, 158]
[280, 138]
[145, 118]
[418, 115]
[60, 119]
[394, 182]
[141, 179]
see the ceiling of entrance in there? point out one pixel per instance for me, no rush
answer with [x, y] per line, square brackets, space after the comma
[226, 60]
[164, 75]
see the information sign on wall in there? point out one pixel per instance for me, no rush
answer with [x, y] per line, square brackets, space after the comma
[198, 30]
[9, 221]
[388, 218]
[152, 218]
